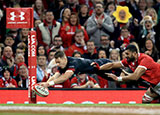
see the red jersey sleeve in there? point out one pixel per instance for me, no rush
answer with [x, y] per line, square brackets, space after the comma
[124, 62]
[146, 63]
[74, 82]
[1, 83]
[14, 83]
[92, 79]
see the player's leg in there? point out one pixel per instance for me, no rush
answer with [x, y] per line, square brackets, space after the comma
[151, 94]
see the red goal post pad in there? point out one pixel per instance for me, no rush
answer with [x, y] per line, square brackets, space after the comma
[19, 18]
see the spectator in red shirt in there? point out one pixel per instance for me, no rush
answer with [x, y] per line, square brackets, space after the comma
[67, 31]
[125, 38]
[79, 44]
[84, 81]
[6, 80]
[64, 16]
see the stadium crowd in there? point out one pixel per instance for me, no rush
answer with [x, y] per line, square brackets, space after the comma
[89, 29]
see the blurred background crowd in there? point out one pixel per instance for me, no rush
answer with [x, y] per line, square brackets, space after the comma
[89, 29]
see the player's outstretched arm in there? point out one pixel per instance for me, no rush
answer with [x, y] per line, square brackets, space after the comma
[112, 65]
[46, 84]
[61, 78]
[134, 76]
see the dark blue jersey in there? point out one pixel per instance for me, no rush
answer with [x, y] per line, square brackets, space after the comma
[81, 65]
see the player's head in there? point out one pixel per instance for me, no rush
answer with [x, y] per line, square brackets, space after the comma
[131, 53]
[60, 59]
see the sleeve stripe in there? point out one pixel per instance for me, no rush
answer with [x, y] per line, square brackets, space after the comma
[121, 63]
[96, 84]
[74, 84]
[70, 71]
[142, 67]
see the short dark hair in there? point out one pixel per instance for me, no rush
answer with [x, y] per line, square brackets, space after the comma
[99, 3]
[48, 11]
[59, 54]
[76, 52]
[132, 48]
[125, 28]
[9, 35]
[5, 68]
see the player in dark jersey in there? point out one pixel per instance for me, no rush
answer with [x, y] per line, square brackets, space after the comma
[143, 67]
[68, 66]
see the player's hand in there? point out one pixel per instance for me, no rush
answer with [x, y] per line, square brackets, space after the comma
[114, 77]
[95, 65]
[91, 84]
[44, 84]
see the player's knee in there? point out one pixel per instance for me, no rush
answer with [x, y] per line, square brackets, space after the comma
[147, 99]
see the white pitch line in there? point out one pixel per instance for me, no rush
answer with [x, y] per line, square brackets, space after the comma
[128, 110]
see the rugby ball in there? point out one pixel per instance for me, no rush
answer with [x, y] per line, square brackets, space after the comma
[40, 90]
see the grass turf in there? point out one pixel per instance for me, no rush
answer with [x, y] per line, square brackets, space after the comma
[82, 105]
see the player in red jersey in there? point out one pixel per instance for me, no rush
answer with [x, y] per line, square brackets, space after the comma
[143, 67]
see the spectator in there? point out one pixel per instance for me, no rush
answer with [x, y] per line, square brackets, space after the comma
[105, 44]
[51, 55]
[77, 54]
[102, 82]
[41, 50]
[125, 38]
[36, 23]
[150, 3]
[41, 67]
[57, 7]
[39, 10]
[102, 54]
[19, 59]
[47, 30]
[67, 32]
[114, 55]
[84, 81]
[57, 43]
[22, 77]
[152, 12]
[99, 24]
[13, 32]
[23, 36]
[146, 32]
[110, 8]
[64, 16]
[23, 48]
[20, 51]
[91, 52]
[10, 41]
[6, 80]
[79, 44]
[142, 5]
[83, 14]
[7, 58]
[73, 5]
[151, 50]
